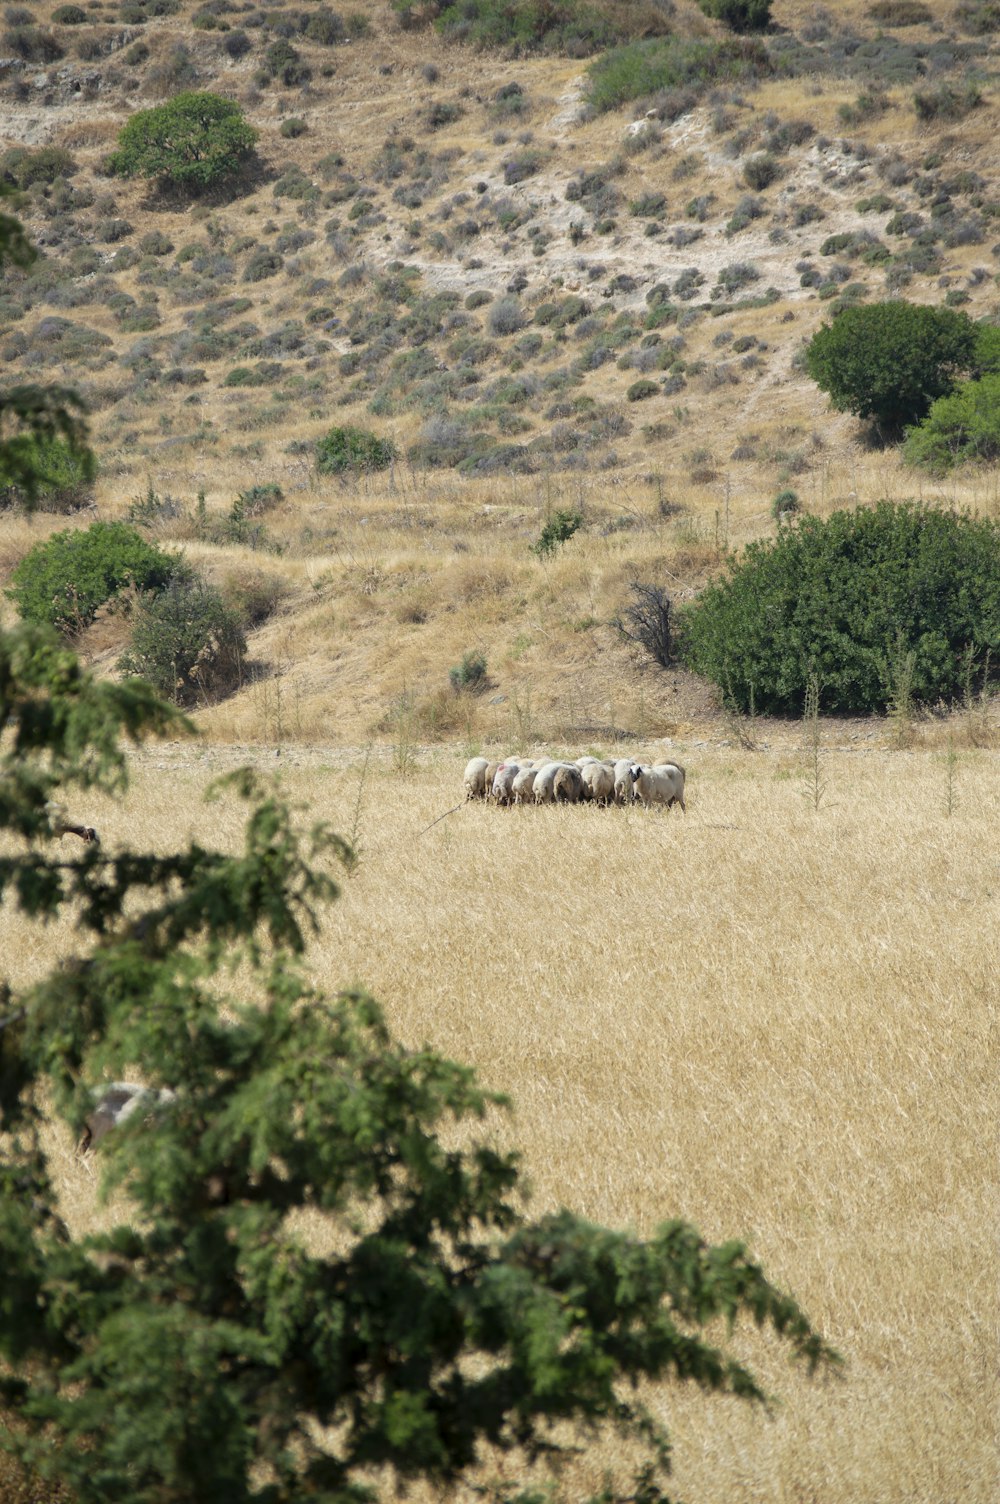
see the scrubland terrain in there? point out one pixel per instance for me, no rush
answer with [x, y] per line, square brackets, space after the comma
[454, 248]
[776, 1016]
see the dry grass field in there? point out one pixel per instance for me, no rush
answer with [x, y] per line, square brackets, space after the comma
[776, 1020]
[776, 1016]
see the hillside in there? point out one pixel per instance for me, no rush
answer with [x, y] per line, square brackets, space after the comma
[541, 302]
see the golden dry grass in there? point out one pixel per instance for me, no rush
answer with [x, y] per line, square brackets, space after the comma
[776, 1021]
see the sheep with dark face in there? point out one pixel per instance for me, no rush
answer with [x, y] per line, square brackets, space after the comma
[662, 784]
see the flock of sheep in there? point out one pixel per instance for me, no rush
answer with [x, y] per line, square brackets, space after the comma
[522, 781]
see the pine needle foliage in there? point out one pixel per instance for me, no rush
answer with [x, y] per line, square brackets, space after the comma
[203, 1349]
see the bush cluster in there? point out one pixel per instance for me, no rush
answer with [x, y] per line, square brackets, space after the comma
[345, 451]
[186, 642]
[890, 361]
[847, 600]
[672, 63]
[65, 581]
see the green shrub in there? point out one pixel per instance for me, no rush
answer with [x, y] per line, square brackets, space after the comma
[33, 45]
[69, 15]
[293, 127]
[63, 472]
[785, 505]
[571, 26]
[760, 170]
[986, 360]
[324, 27]
[21, 166]
[947, 102]
[646, 67]
[847, 599]
[899, 13]
[353, 450]
[559, 528]
[979, 17]
[194, 141]
[739, 15]
[263, 263]
[959, 428]
[890, 361]
[67, 579]
[641, 389]
[470, 674]
[187, 643]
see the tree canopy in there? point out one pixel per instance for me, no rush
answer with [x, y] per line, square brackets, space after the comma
[205, 1347]
[195, 140]
[890, 361]
[40, 426]
[852, 601]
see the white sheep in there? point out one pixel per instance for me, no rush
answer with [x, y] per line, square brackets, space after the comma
[662, 784]
[523, 786]
[545, 777]
[598, 782]
[503, 782]
[624, 789]
[475, 777]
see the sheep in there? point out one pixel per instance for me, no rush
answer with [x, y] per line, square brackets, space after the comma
[475, 778]
[503, 782]
[585, 761]
[542, 789]
[662, 784]
[489, 773]
[118, 1103]
[624, 790]
[567, 785]
[524, 784]
[598, 782]
[63, 827]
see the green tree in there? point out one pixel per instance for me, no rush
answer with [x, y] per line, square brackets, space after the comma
[739, 15]
[39, 425]
[68, 578]
[890, 361]
[207, 1348]
[195, 140]
[960, 428]
[846, 599]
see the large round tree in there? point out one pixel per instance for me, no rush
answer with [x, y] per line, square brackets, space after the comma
[855, 602]
[890, 361]
[195, 140]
